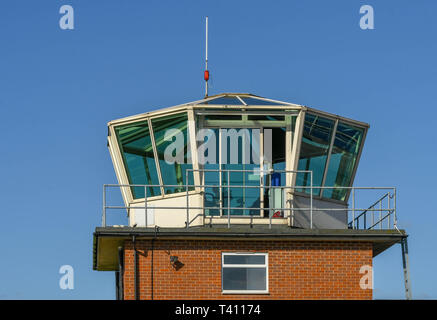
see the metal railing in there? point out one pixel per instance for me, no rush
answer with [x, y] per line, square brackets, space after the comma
[360, 218]
[384, 213]
[262, 186]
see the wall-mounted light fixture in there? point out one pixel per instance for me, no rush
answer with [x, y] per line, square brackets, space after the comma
[174, 261]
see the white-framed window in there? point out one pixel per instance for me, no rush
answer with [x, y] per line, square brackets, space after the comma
[245, 273]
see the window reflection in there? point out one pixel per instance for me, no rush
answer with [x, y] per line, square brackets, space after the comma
[343, 159]
[172, 173]
[259, 102]
[137, 152]
[314, 150]
[225, 101]
[241, 197]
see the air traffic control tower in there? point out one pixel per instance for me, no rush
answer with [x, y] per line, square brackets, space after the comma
[241, 197]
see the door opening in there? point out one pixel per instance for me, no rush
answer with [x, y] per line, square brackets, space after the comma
[240, 188]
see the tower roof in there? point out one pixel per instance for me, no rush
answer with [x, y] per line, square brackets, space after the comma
[239, 99]
[236, 101]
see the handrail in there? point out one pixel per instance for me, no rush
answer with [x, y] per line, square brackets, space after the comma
[373, 205]
[380, 221]
[371, 209]
[289, 207]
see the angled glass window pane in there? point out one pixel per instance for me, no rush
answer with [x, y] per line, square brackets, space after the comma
[314, 149]
[244, 279]
[137, 151]
[225, 101]
[173, 172]
[259, 102]
[244, 259]
[344, 156]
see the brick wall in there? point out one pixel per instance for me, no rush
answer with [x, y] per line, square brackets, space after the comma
[297, 270]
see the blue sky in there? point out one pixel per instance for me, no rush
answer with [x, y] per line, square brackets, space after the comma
[59, 88]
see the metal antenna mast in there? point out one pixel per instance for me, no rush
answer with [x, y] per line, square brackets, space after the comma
[206, 74]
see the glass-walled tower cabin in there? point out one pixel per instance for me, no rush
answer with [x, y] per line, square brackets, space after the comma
[241, 158]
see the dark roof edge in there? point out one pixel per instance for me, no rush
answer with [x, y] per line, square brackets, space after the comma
[314, 235]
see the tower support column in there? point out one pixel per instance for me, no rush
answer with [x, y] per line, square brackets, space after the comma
[406, 267]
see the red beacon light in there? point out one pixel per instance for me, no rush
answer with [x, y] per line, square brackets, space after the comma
[206, 75]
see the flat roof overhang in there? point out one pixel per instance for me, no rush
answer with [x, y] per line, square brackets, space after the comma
[107, 240]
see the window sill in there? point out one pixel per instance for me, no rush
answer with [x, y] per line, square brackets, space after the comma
[228, 292]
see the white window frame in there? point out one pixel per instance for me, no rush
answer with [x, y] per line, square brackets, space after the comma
[265, 265]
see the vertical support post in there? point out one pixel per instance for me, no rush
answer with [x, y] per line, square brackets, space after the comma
[186, 194]
[406, 267]
[220, 172]
[120, 273]
[311, 200]
[104, 207]
[261, 172]
[365, 219]
[389, 210]
[145, 205]
[269, 190]
[117, 285]
[229, 200]
[353, 208]
[271, 202]
[380, 215]
[395, 219]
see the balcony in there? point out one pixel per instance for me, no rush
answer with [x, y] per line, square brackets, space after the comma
[248, 198]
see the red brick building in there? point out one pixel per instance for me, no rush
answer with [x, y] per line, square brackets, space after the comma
[207, 221]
